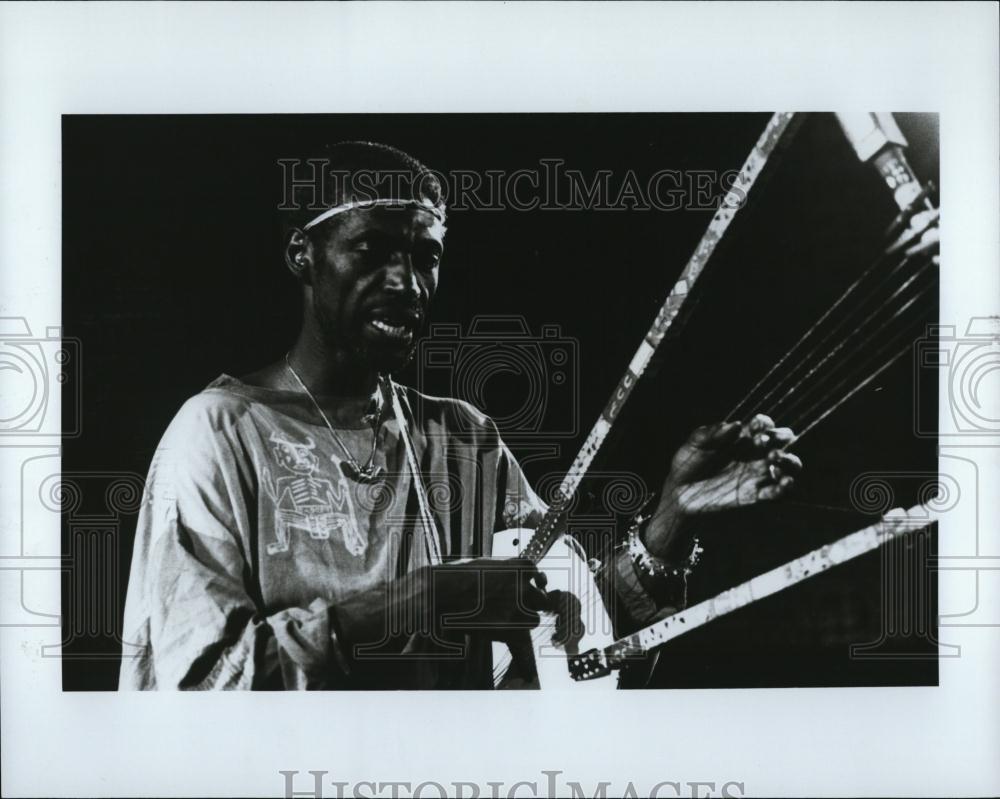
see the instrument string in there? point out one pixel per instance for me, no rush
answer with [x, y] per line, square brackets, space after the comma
[823, 506]
[859, 378]
[751, 170]
[746, 399]
[861, 373]
[856, 543]
[904, 252]
[919, 204]
[807, 420]
[909, 293]
[861, 337]
[857, 317]
[806, 426]
[871, 271]
[655, 634]
[911, 238]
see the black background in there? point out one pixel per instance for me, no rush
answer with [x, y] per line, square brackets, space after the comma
[172, 275]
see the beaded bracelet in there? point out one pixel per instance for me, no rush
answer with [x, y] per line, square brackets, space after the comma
[653, 566]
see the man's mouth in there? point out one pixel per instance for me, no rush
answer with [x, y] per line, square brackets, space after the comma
[396, 326]
[398, 332]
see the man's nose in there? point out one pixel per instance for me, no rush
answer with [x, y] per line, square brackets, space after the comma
[401, 277]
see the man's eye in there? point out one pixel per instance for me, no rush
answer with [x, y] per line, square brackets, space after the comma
[377, 252]
[426, 258]
[429, 260]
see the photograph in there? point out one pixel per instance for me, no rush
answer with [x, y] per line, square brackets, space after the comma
[359, 384]
[499, 400]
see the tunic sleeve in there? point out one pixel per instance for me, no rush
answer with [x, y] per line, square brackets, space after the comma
[192, 608]
[520, 505]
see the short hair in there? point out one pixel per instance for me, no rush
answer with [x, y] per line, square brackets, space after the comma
[355, 170]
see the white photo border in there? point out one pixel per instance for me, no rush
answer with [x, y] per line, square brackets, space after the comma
[216, 58]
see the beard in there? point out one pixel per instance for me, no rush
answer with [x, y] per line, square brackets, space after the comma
[361, 345]
[383, 359]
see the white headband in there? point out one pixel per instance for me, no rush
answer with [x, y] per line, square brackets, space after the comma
[423, 205]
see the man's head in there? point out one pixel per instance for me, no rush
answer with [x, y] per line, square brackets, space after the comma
[368, 256]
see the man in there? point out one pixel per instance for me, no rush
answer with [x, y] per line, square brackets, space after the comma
[290, 535]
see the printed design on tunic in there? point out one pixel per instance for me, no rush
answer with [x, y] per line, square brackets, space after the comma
[518, 512]
[305, 502]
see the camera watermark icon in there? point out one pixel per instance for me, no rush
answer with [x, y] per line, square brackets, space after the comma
[528, 383]
[34, 368]
[970, 367]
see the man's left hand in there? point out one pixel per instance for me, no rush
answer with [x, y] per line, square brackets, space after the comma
[721, 466]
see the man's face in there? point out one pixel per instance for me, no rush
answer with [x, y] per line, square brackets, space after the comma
[375, 274]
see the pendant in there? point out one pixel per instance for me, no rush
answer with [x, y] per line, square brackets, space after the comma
[366, 474]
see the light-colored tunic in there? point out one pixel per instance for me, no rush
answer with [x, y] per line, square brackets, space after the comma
[251, 534]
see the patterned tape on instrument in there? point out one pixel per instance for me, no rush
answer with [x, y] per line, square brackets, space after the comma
[748, 174]
[596, 663]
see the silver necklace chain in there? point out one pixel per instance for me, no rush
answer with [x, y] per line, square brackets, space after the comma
[367, 472]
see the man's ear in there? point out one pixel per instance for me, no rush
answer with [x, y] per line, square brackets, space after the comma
[298, 255]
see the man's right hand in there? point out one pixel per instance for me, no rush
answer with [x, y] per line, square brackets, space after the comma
[492, 597]
[487, 596]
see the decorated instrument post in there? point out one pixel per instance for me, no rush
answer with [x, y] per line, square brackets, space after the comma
[597, 663]
[550, 526]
